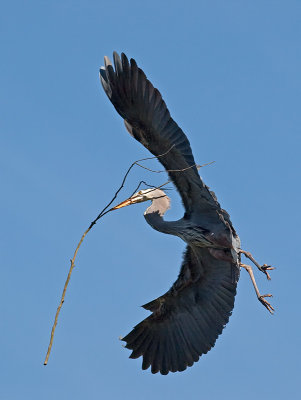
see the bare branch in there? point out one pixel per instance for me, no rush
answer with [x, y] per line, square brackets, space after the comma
[102, 213]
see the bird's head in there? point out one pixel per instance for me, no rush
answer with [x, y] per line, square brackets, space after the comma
[141, 196]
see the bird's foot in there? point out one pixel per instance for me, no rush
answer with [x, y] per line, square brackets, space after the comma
[265, 268]
[261, 297]
[267, 305]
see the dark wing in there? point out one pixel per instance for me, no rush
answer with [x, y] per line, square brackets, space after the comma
[186, 321]
[148, 121]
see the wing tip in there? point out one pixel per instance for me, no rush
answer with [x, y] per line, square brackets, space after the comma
[102, 73]
[107, 61]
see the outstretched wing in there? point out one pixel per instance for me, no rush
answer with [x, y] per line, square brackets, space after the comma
[186, 321]
[148, 120]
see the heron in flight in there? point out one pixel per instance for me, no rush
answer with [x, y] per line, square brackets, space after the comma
[187, 319]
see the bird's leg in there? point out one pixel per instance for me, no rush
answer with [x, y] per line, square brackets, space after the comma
[263, 268]
[261, 297]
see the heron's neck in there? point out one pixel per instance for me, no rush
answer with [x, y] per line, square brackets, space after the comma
[154, 213]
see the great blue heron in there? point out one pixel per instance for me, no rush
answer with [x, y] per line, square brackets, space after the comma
[186, 320]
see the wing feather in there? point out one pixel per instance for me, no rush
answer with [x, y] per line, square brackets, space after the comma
[148, 120]
[186, 321]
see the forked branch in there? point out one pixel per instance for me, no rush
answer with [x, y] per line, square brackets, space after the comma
[72, 261]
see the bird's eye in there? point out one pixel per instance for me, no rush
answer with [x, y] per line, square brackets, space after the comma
[140, 192]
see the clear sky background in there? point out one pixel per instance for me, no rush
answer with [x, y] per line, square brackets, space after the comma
[229, 72]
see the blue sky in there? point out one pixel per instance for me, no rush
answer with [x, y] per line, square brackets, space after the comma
[230, 75]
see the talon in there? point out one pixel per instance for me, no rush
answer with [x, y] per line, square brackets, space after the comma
[265, 303]
[266, 268]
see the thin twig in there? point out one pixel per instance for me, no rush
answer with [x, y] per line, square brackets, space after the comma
[170, 170]
[146, 184]
[174, 170]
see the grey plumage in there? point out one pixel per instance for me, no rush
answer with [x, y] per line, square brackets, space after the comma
[186, 320]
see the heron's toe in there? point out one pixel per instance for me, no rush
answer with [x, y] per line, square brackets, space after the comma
[266, 268]
[267, 305]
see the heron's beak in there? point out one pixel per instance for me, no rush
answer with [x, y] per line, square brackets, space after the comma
[123, 204]
[128, 202]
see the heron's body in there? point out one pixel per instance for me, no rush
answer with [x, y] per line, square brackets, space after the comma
[196, 231]
[186, 320]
